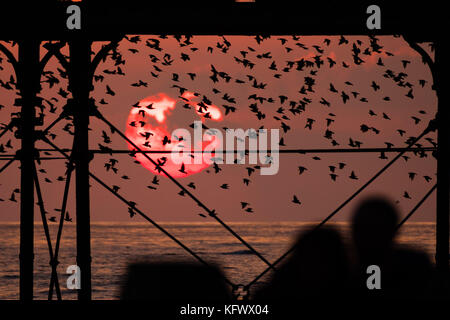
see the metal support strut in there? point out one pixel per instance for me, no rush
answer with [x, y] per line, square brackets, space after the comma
[443, 163]
[80, 86]
[28, 77]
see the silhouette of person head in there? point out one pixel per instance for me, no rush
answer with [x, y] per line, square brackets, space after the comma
[374, 225]
[404, 272]
[317, 267]
[174, 281]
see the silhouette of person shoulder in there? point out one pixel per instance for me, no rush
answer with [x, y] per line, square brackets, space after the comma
[404, 273]
[318, 267]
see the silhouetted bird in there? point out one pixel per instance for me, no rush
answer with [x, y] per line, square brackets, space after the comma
[295, 200]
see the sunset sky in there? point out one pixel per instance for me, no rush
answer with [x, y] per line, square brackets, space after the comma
[270, 197]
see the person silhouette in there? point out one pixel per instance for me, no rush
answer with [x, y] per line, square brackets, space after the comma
[373, 229]
[318, 267]
[403, 272]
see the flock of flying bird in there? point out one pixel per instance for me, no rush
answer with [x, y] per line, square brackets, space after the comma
[285, 109]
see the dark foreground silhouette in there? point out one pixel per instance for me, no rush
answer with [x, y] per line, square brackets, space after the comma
[405, 273]
[174, 282]
[317, 267]
[321, 266]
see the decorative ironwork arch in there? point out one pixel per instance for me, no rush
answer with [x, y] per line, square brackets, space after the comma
[80, 83]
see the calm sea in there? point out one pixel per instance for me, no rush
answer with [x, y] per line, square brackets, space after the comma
[116, 244]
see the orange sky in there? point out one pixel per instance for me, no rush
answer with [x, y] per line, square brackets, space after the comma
[269, 196]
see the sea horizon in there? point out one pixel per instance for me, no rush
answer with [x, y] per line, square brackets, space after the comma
[117, 244]
[39, 222]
